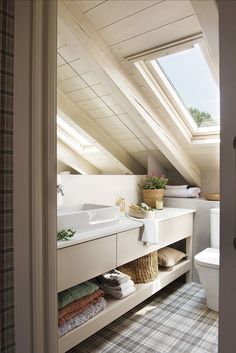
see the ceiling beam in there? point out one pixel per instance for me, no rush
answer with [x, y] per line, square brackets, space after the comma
[74, 160]
[79, 33]
[105, 142]
[207, 14]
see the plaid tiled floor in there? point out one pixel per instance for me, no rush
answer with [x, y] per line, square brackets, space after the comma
[176, 320]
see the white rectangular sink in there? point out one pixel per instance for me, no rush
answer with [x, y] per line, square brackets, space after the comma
[86, 217]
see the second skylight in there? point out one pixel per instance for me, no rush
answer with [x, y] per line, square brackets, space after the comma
[188, 73]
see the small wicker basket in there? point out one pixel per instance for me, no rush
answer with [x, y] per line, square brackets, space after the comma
[142, 270]
[212, 196]
[141, 213]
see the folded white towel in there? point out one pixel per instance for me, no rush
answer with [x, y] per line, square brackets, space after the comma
[191, 192]
[120, 294]
[113, 278]
[120, 288]
[176, 186]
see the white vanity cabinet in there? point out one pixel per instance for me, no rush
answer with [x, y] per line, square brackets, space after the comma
[90, 258]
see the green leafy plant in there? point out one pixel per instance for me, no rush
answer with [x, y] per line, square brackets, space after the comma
[65, 234]
[153, 181]
[200, 117]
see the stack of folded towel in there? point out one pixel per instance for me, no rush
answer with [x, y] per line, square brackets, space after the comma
[181, 191]
[77, 305]
[116, 283]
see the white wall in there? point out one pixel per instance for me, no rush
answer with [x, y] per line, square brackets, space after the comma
[175, 178]
[103, 189]
[62, 167]
[210, 181]
[154, 166]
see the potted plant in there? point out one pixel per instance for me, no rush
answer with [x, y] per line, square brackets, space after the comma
[152, 187]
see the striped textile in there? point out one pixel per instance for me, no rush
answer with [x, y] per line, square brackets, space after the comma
[77, 306]
[7, 344]
[175, 320]
[69, 295]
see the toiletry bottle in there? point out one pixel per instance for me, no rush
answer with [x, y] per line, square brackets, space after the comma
[119, 203]
[123, 206]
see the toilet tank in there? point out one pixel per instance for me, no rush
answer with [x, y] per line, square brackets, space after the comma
[215, 228]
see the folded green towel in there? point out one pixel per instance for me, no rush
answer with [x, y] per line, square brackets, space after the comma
[70, 295]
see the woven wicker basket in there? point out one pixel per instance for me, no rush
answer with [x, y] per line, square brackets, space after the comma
[151, 196]
[212, 196]
[142, 270]
[141, 213]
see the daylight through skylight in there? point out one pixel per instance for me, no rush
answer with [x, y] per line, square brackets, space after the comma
[189, 74]
[71, 137]
[81, 140]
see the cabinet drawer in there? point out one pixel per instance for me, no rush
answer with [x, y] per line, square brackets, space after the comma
[175, 229]
[130, 246]
[84, 261]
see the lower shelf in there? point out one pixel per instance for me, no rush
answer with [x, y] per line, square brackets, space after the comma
[116, 307]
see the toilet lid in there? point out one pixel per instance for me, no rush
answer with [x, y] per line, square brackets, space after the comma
[209, 257]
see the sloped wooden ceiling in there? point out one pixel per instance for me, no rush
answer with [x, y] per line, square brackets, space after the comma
[123, 28]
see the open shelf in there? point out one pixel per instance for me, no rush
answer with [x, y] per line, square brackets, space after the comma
[117, 307]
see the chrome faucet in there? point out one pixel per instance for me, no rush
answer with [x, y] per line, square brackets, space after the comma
[60, 189]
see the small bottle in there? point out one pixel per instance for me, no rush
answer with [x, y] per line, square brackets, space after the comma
[121, 203]
[123, 206]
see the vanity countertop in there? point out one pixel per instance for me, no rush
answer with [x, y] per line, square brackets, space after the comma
[125, 223]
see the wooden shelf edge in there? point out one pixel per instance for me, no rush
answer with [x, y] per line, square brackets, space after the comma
[116, 307]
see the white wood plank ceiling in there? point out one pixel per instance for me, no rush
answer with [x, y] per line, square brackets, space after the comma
[133, 26]
[127, 27]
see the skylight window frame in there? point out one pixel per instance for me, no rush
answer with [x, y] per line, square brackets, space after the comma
[160, 84]
[69, 128]
[69, 134]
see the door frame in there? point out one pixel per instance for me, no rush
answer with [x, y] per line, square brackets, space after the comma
[35, 177]
[35, 248]
[227, 31]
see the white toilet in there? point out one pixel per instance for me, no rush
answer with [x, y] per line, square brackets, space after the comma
[207, 263]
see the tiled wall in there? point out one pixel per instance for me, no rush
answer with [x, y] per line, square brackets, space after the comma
[7, 344]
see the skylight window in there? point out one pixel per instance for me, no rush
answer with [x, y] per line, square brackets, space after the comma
[71, 137]
[81, 140]
[189, 75]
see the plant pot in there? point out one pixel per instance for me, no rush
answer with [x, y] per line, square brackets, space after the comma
[151, 196]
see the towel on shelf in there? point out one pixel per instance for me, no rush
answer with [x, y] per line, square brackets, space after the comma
[176, 186]
[185, 193]
[70, 295]
[71, 310]
[112, 278]
[121, 291]
[120, 288]
[78, 320]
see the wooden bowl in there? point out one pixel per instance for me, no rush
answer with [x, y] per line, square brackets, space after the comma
[212, 196]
